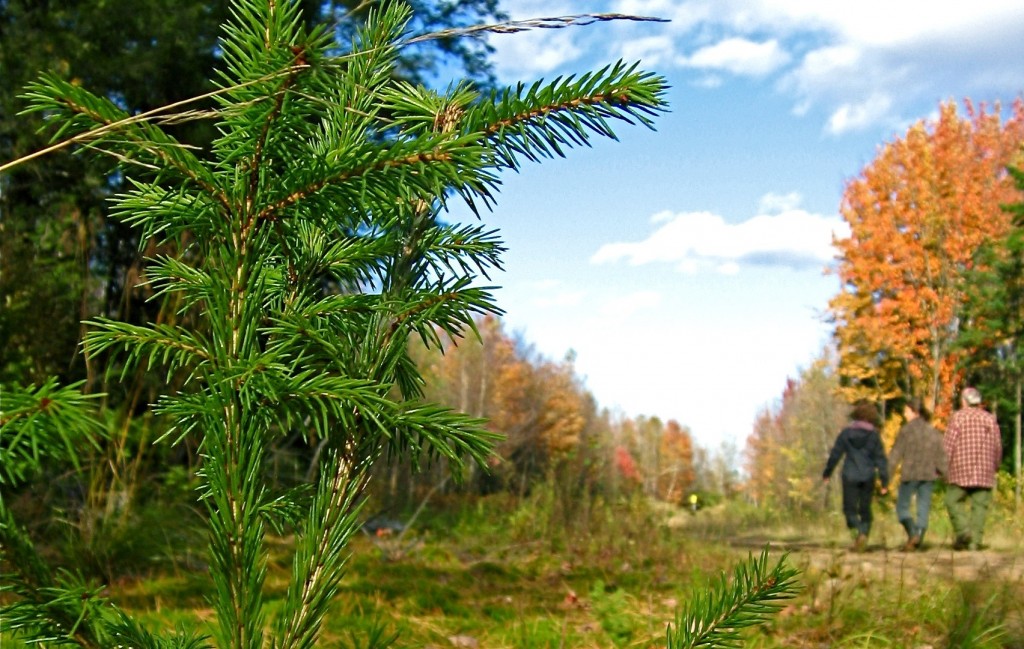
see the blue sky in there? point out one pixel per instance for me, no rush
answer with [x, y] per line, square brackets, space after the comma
[684, 267]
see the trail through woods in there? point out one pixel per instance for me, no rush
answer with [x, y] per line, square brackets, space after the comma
[818, 548]
[937, 559]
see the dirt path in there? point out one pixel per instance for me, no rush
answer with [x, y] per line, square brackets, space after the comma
[938, 560]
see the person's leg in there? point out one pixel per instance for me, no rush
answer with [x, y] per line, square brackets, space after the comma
[980, 499]
[850, 506]
[864, 493]
[955, 496]
[924, 506]
[903, 496]
[852, 510]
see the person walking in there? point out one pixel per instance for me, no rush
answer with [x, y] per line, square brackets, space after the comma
[974, 447]
[919, 453]
[861, 445]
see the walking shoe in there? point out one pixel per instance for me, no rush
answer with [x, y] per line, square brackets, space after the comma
[962, 542]
[912, 543]
[861, 543]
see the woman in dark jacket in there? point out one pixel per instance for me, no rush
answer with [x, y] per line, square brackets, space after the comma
[862, 446]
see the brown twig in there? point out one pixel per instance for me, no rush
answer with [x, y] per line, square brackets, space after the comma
[516, 26]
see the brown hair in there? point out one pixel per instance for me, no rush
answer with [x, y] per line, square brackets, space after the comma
[917, 405]
[865, 411]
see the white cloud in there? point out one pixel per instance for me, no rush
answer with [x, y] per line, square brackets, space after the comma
[772, 203]
[652, 50]
[865, 98]
[739, 56]
[782, 235]
[682, 15]
[824, 64]
[529, 54]
[884, 23]
[709, 82]
[535, 52]
[852, 117]
[859, 65]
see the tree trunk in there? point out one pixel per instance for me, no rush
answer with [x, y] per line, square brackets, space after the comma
[1016, 450]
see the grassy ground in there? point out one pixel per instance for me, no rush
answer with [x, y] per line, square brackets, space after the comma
[495, 577]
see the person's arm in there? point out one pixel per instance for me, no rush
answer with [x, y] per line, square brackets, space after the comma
[896, 454]
[941, 461]
[878, 451]
[833, 457]
[949, 439]
[998, 459]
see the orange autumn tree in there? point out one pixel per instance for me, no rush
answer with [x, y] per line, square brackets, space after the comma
[663, 454]
[563, 415]
[538, 406]
[917, 214]
[488, 376]
[764, 459]
[676, 473]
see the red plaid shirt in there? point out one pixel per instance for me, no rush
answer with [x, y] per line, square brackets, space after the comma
[974, 447]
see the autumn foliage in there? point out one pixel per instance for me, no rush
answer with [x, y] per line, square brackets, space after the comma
[552, 430]
[917, 215]
[787, 448]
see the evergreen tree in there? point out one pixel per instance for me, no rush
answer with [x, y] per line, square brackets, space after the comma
[993, 326]
[64, 259]
[308, 240]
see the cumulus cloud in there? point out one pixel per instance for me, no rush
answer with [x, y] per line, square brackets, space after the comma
[852, 65]
[772, 203]
[652, 50]
[852, 117]
[536, 52]
[739, 56]
[782, 235]
[861, 65]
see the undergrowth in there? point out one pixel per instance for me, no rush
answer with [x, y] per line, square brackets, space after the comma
[483, 572]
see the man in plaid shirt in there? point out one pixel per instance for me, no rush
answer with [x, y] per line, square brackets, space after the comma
[974, 447]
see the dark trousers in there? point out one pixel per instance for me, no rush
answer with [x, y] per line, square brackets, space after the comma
[857, 504]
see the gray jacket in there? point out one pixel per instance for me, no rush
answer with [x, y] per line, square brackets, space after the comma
[919, 449]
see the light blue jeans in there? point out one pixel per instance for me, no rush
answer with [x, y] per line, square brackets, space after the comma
[921, 491]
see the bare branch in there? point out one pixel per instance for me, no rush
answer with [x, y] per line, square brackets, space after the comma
[515, 26]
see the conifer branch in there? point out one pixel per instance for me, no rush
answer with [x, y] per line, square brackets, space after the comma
[715, 616]
[38, 424]
[273, 210]
[53, 92]
[279, 97]
[46, 422]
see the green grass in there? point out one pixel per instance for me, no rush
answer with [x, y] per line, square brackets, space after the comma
[484, 574]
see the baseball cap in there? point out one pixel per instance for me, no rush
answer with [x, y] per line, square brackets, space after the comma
[972, 396]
